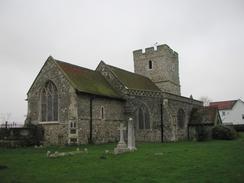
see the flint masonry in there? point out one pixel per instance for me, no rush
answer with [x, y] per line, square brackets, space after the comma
[78, 105]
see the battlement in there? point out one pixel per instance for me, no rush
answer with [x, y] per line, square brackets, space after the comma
[161, 65]
[160, 49]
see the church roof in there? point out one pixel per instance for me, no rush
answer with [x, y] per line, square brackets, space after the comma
[133, 80]
[86, 80]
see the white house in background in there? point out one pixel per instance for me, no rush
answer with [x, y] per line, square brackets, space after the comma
[231, 111]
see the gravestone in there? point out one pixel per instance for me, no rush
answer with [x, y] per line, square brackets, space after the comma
[121, 147]
[24, 132]
[131, 135]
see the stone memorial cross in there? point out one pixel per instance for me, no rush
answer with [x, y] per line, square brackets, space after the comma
[121, 129]
[121, 146]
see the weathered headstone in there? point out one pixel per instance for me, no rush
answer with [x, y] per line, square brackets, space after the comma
[131, 135]
[57, 154]
[121, 147]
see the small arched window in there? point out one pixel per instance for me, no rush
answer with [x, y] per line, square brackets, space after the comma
[49, 102]
[150, 64]
[102, 112]
[181, 118]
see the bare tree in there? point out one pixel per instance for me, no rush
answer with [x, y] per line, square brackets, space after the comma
[206, 100]
[5, 117]
[8, 116]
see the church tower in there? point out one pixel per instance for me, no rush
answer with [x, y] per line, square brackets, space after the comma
[161, 66]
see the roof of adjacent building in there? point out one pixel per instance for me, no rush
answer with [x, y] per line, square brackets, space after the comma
[223, 105]
[87, 81]
[133, 81]
[205, 115]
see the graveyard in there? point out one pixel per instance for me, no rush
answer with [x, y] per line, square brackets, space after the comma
[187, 161]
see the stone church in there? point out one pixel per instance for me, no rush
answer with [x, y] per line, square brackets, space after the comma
[76, 105]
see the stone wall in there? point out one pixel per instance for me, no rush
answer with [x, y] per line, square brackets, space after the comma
[104, 126]
[168, 86]
[55, 134]
[175, 129]
[153, 134]
[21, 137]
[172, 130]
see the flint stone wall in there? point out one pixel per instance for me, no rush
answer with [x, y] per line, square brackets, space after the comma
[104, 129]
[152, 104]
[173, 131]
[55, 133]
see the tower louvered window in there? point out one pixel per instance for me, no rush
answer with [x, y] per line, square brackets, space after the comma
[49, 102]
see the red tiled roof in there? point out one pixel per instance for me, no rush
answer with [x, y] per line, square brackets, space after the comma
[223, 104]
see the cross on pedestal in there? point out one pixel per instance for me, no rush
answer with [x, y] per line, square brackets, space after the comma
[121, 129]
[121, 146]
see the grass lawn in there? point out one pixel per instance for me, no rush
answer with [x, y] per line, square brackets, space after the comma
[196, 162]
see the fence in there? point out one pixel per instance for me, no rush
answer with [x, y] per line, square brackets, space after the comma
[21, 136]
[11, 125]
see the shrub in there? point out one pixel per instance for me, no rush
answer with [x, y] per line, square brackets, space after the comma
[239, 128]
[202, 133]
[224, 132]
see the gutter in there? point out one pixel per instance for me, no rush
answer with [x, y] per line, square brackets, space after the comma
[161, 123]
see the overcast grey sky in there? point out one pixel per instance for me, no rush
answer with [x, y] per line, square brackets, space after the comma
[207, 34]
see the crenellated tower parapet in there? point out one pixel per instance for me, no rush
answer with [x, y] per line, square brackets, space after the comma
[160, 65]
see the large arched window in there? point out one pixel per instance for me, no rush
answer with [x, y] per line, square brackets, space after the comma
[181, 118]
[49, 102]
[143, 118]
